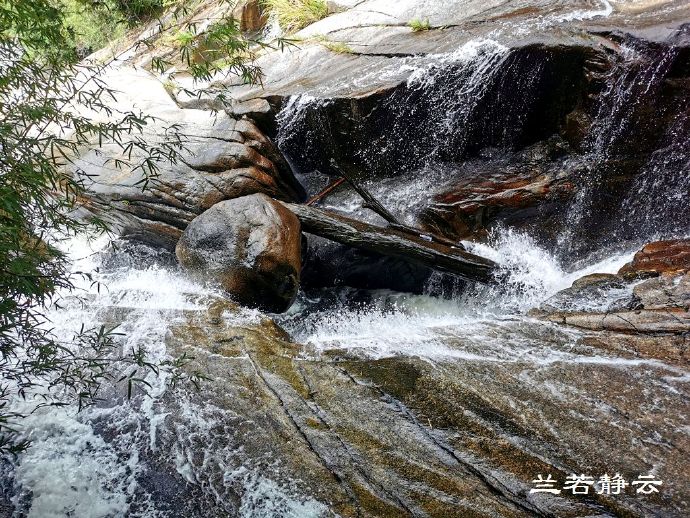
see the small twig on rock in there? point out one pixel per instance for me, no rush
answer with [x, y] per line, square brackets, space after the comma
[326, 191]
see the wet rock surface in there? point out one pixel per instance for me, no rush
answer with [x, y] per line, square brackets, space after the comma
[219, 157]
[251, 246]
[406, 436]
[562, 131]
[660, 257]
[558, 152]
[515, 191]
[380, 40]
[647, 304]
[460, 422]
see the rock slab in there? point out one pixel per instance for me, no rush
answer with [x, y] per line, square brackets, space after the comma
[660, 257]
[251, 246]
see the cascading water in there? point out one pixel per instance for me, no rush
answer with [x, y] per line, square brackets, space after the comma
[646, 211]
[179, 452]
[105, 461]
[439, 120]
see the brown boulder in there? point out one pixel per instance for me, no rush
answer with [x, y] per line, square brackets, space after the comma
[672, 256]
[251, 246]
[219, 156]
[510, 191]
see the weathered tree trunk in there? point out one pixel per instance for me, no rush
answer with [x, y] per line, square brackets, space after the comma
[392, 242]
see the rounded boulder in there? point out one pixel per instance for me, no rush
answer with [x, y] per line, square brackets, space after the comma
[251, 246]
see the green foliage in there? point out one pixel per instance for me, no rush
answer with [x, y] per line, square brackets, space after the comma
[418, 25]
[41, 133]
[339, 47]
[140, 10]
[218, 49]
[90, 26]
[294, 15]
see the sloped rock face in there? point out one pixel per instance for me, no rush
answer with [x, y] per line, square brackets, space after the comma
[554, 139]
[251, 246]
[219, 157]
[645, 308]
[406, 436]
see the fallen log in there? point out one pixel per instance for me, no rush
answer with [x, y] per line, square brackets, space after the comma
[393, 242]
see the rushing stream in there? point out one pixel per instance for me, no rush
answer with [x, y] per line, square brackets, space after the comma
[465, 393]
[177, 454]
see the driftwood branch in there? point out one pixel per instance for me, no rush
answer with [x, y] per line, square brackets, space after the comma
[393, 242]
[372, 203]
[326, 191]
[369, 200]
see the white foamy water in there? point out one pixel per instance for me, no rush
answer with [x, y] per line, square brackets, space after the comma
[69, 469]
[604, 10]
[533, 273]
[91, 463]
[487, 325]
[485, 52]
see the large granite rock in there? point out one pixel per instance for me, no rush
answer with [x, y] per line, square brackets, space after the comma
[382, 50]
[406, 435]
[513, 100]
[219, 157]
[251, 246]
[485, 87]
[644, 309]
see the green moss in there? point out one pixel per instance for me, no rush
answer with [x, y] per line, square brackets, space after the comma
[315, 424]
[418, 25]
[294, 15]
[338, 47]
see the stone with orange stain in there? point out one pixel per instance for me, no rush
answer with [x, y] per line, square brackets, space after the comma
[660, 257]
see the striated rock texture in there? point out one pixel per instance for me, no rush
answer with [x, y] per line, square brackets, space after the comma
[645, 308]
[218, 157]
[554, 139]
[565, 119]
[251, 246]
[407, 435]
[660, 257]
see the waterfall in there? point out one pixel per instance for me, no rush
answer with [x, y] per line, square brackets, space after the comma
[622, 122]
[478, 112]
